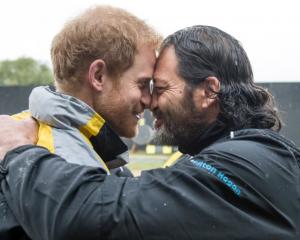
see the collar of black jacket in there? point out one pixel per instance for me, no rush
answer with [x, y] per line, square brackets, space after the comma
[202, 139]
[109, 145]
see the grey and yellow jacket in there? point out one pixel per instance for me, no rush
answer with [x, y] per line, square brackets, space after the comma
[71, 129]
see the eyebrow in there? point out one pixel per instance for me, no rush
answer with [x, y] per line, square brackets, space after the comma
[144, 79]
[161, 80]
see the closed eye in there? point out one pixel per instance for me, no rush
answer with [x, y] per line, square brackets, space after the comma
[143, 83]
[159, 89]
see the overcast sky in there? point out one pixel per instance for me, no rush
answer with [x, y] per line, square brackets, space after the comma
[269, 30]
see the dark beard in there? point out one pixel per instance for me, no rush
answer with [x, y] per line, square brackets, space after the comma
[179, 134]
[164, 137]
[180, 126]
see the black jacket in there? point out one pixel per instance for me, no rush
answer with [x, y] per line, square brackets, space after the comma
[244, 187]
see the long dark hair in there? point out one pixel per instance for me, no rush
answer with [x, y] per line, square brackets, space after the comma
[204, 51]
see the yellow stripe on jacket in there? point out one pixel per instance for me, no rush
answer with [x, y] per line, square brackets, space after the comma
[45, 136]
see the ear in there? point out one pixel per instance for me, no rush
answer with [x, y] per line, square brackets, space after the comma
[205, 95]
[212, 87]
[96, 74]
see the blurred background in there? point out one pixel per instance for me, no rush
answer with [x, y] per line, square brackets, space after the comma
[268, 30]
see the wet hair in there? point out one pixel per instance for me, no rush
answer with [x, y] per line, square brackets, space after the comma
[102, 32]
[204, 51]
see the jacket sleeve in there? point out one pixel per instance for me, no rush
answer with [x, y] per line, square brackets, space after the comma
[49, 196]
[56, 200]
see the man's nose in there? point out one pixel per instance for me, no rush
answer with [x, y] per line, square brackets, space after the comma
[153, 103]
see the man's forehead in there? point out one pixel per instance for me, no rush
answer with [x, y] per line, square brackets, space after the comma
[160, 71]
[162, 74]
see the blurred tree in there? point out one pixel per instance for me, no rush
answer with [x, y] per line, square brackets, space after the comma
[24, 71]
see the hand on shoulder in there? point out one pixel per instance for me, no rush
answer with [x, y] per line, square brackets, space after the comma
[14, 133]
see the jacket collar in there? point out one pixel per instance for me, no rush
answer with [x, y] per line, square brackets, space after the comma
[63, 111]
[66, 112]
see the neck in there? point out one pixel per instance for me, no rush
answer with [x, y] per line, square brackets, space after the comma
[82, 93]
[204, 138]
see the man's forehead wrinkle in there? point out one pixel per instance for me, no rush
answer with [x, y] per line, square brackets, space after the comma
[160, 76]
